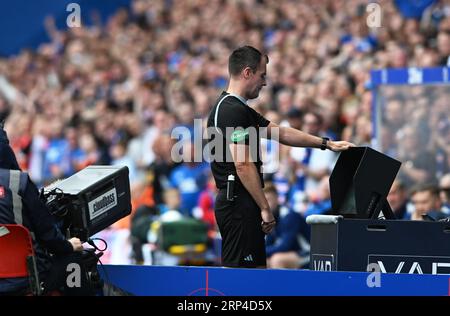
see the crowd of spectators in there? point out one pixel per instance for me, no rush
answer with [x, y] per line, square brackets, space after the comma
[112, 93]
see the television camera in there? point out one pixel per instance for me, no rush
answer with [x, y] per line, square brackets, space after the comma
[88, 202]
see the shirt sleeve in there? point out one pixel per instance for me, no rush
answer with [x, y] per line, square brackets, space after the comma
[262, 121]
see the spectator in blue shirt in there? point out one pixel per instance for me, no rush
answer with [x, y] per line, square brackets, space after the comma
[413, 9]
[57, 162]
[287, 246]
[190, 179]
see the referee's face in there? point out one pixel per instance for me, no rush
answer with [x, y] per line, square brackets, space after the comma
[257, 80]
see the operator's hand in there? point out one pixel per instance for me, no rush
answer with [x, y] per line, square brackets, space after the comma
[268, 222]
[339, 145]
[76, 244]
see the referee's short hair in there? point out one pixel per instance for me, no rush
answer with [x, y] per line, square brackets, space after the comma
[245, 56]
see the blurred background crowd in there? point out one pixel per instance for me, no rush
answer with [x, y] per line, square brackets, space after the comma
[112, 93]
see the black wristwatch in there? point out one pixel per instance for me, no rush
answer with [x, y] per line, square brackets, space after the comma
[325, 140]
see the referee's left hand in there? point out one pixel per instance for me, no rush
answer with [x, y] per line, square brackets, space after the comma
[268, 221]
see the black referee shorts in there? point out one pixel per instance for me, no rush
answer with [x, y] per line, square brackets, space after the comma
[239, 221]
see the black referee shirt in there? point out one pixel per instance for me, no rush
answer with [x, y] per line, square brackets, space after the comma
[238, 117]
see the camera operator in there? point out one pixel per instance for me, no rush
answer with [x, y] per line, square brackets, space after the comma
[20, 204]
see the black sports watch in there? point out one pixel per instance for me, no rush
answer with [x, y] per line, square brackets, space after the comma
[325, 140]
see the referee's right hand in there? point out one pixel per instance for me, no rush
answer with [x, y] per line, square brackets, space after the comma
[268, 221]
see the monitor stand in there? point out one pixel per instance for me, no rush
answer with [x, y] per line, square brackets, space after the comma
[378, 205]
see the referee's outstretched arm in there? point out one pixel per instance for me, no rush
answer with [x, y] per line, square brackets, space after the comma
[296, 138]
[249, 176]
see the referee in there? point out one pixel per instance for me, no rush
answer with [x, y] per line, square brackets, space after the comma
[242, 211]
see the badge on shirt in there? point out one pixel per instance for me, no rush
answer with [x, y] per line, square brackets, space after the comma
[239, 136]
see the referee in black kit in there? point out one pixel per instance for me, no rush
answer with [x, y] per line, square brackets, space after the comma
[242, 211]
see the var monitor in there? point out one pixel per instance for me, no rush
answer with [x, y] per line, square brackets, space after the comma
[360, 183]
